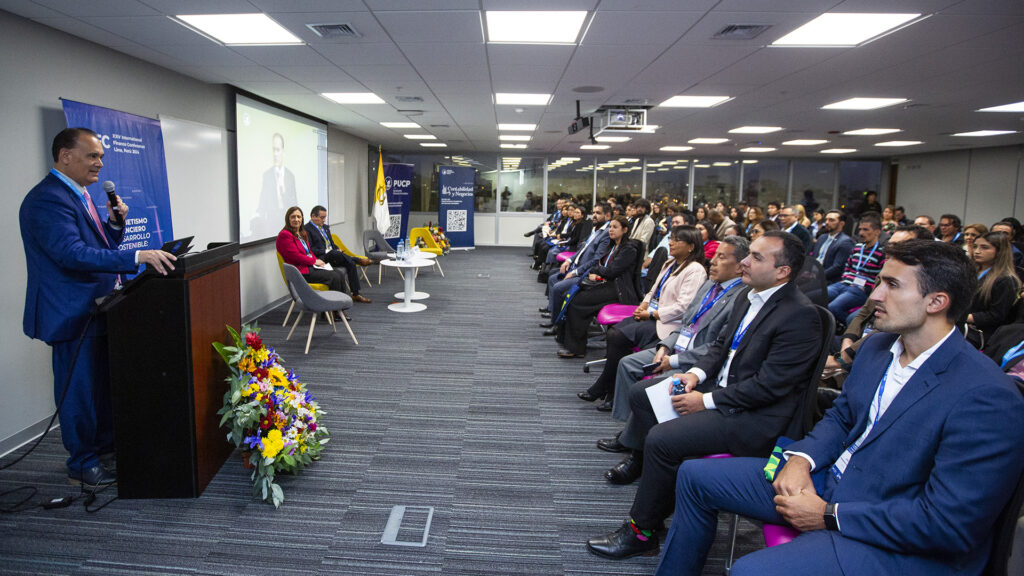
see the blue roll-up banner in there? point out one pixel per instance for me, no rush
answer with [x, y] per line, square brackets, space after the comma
[134, 162]
[398, 180]
[455, 204]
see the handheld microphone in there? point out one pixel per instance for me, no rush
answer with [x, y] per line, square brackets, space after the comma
[108, 187]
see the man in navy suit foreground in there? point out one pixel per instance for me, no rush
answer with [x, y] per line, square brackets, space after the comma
[908, 471]
[72, 260]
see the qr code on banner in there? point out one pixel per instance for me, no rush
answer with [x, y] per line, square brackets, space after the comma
[456, 221]
[395, 227]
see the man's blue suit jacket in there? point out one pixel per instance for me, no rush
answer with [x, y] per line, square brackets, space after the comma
[923, 490]
[69, 265]
[593, 253]
[835, 257]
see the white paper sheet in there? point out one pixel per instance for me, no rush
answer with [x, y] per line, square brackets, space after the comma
[660, 396]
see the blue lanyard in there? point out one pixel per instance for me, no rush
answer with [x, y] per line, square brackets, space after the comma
[657, 295]
[1012, 353]
[983, 272]
[881, 391]
[304, 245]
[608, 258]
[63, 178]
[860, 260]
[957, 237]
[707, 303]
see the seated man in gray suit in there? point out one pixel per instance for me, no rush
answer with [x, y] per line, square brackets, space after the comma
[705, 317]
[834, 246]
[569, 273]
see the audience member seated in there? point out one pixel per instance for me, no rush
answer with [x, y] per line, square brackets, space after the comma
[763, 226]
[732, 230]
[925, 221]
[789, 221]
[772, 212]
[754, 215]
[322, 245]
[642, 226]
[861, 270]
[612, 280]
[901, 216]
[971, 232]
[702, 321]
[553, 235]
[720, 221]
[579, 230]
[998, 284]
[551, 219]
[739, 397]
[817, 226]
[293, 246]
[707, 234]
[1009, 227]
[889, 223]
[905, 474]
[833, 246]
[677, 220]
[1006, 348]
[660, 312]
[949, 229]
[570, 272]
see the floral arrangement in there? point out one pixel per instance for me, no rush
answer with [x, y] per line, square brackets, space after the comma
[269, 412]
[442, 241]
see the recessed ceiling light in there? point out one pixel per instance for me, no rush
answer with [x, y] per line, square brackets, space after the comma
[838, 150]
[353, 97]
[702, 165]
[694, 101]
[681, 167]
[872, 131]
[520, 146]
[708, 140]
[676, 148]
[595, 147]
[399, 124]
[757, 149]
[629, 159]
[433, 144]
[895, 143]
[721, 164]
[612, 139]
[514, 137]
[517, 127]
[534, 27]
[750, 161]
[986, 133]
[522, 99]
[239, 29]
[844, 29]
[863, 103]
[420, 136]
[804, 142]
[755, 129]
[1015, 107]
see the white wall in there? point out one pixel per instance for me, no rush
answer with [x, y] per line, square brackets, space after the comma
[41, 65]
[981, 185]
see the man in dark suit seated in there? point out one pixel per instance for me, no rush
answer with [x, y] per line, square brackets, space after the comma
[570, 272]
[739, 397]
[834, 246]
[324, 248]
[906, 474]
[789, 222]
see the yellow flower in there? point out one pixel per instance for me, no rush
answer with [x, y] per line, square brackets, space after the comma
[272, 444]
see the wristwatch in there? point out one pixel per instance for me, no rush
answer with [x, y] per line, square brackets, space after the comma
[831, 522]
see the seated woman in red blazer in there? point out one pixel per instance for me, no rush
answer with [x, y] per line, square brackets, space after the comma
[293, 246]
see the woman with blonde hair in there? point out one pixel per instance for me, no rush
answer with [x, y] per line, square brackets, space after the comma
[998, 284]
[801, 216]
[971, 233]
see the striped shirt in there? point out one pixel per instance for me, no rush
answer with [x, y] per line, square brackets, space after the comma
[864, 262]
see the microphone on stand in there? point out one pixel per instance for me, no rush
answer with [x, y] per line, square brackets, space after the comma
[108, 187]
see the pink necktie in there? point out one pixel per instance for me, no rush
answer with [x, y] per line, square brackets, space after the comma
[96, 218]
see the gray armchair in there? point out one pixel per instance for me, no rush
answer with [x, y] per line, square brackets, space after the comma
[377, 249]
[306, 299]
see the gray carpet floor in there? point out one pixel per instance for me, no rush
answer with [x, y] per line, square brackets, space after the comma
[463, 407]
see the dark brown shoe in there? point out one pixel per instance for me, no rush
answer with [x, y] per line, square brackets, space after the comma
[361, 298]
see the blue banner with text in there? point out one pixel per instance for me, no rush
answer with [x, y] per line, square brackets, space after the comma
[134, 161]
[398, 180]
[455, 204]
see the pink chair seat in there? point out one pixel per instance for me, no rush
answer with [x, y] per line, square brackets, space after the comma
[563, 256]
[775, 534]
[723, 455]
[614, 313]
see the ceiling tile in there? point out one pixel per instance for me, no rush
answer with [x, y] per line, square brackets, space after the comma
[196, 6]
[526, 79]
[456, 56]
[313, 73]
[85, 31]
[273, 88]
[660, 28]
[204, 55]
[150, 30]
[526, 55]
[271, 6]
[282, 55]
[369, 30]
[440, 26]
[391, 5]
[99, 7]
[362, 54]
[29, 9]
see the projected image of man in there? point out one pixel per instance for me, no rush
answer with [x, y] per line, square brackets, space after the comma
[278, 190]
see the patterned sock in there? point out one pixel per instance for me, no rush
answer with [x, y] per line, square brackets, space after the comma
[641, 535]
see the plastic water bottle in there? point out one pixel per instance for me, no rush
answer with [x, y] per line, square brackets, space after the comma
[400, 251]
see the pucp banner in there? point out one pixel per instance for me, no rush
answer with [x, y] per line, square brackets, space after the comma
[134, 162]
[398, 180]
[455, 204]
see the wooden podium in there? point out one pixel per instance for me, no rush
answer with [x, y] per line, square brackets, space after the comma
[167, 381]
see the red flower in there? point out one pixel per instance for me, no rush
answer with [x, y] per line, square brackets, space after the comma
[265, 423]
[253, 340]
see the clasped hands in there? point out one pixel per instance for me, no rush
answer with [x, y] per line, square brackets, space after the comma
[796, 500]
[691, 401]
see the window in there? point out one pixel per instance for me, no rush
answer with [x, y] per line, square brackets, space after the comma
[572, 176]
[622, 178]
[522, 184]
[715, 181]
[813, 184]
[668, 180]
[855, 178]
[765, 180]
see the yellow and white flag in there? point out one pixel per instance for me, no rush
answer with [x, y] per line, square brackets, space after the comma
[380, 198]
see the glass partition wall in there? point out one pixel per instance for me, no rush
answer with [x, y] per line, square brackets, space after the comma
[508, 184]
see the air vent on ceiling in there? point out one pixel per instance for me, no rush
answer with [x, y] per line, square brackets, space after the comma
[740, 31]
[440, 126]
[408, 99]
[344, 30]
[411, 112]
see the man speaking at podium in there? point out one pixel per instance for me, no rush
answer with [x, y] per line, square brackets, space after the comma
[73, 259]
